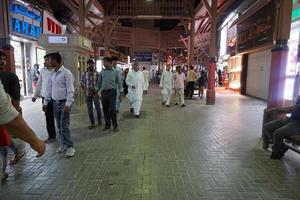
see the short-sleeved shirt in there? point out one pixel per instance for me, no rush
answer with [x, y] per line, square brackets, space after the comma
[11, 85]
[179, 81]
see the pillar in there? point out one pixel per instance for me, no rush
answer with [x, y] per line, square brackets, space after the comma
[211, 93]
[106, 37]
[192, 41]
[280, 54]
[4, 36]
[82, 18]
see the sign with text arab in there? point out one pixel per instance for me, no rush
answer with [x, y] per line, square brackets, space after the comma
[25, 21]
[257, 29]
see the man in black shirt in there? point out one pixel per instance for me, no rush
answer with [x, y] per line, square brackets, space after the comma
[281, 129]
[11, 86]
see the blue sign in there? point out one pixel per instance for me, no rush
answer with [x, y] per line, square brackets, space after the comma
[20, 19]
[143, 57]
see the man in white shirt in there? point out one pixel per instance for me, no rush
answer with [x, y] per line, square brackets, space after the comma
[41, 89]
[179, 85]
[135, 82]
[61, 90]
[166, 84]
[146, 80]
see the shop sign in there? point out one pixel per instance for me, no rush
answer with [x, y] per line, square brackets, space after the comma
[58, 39]
[143, 57]
[257, 29]
[25, 20]
[51, 25]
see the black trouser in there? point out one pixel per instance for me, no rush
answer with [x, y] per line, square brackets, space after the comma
[190, 89]
[50, 123]
[108, 100]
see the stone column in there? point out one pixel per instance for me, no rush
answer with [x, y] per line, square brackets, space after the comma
[4, 35]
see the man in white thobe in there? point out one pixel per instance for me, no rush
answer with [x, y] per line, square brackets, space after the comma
[135, 82]
[166, 84]
[146, 80]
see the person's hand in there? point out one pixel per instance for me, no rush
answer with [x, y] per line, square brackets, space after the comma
[39, 146]
[33, 99]
[44, 108]
[95, 95]
[120, 97]
[67, 109]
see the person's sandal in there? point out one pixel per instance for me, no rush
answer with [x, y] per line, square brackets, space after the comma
[17, 158]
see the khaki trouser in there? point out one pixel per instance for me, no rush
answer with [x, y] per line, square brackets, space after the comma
[179, 94]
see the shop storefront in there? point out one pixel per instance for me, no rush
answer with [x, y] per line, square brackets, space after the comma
[26, 26]
[254, 41]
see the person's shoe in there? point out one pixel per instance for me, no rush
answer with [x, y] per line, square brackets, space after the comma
[99, 123]
[176, 104]
[17, 158]
[137, 116]
[49, 140]
[60, 150]
[106, 128]
[131, 110]
[117, 111]
[4, 176]
[182, 105]
[163, 103]
[92, 127]
[276, 156]
[70, 152]
[168, 106]
[115, 130]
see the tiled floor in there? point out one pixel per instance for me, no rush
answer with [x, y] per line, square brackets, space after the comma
[191, 153]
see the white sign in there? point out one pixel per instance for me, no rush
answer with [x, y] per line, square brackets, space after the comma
[58, 39]
[87, 43]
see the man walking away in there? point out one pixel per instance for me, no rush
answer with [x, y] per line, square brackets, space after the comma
[201, 84]
[179, 85]
[61, 90]
[191, 78]
[88, 83]
[107, 83]
[41, 89]
[135, 82]
[114, 61]
[166, 84]
[146, 80]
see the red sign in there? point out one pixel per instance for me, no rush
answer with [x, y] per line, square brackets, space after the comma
[53, 27]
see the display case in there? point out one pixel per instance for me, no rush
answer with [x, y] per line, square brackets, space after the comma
[234, 71]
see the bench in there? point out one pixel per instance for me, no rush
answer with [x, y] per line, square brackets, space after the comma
[293, 143]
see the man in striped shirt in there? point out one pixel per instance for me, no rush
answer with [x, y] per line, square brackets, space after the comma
[89, 79]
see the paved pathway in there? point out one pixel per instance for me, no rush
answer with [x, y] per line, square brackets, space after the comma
[191, 153]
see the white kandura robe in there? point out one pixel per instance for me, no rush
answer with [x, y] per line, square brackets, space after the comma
[146, 79]
[135, 96]
[166, 83]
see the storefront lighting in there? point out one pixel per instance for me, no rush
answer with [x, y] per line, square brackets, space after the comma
[228, 18]
[15, 38]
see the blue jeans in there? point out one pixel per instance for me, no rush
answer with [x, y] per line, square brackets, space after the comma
[118, 103]
[63, 121]
[89, 103]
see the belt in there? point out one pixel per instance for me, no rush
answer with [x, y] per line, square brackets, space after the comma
[108, 90]
[59, 101]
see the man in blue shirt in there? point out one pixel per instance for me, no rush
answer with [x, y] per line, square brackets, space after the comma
[61, 90]
[281, 129]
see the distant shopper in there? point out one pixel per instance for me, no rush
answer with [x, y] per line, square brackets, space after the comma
[41, 89]
[125, 86]
[35, 75]
[107, 83]
[135, 82]
[61, 90]
[201, 84]
[191, 78]
[179, 85]
[114, 61]
[166, 85]
[88, 83]
[146, 80]
[12, 87]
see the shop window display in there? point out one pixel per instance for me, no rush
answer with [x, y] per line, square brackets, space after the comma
[234, 70]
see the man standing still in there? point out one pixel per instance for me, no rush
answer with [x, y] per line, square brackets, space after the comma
[114, 61]
[191, 78]
[146, 80]
[135, 82]
[61, 90]
[107, 83]
[166, 84]
[41, 89]
[88, 83]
